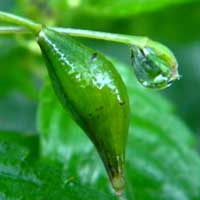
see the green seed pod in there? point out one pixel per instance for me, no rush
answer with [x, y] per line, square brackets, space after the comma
[89, 87]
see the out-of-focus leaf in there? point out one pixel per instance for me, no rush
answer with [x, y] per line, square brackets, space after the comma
[161, 160]
[15, 69]
[189, 62]
[123, 8]
[19, 83]
[100, 8]
[29, 141]
[22, 179]
[173, 24]
[17, 112]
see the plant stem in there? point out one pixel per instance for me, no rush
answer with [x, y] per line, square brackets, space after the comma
[10, 18]
[125, 39]
[138, 41]
[13, 30]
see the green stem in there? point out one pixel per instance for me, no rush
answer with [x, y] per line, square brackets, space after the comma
[10, 18]
[125, 39]
[138, 41]
[13, 30]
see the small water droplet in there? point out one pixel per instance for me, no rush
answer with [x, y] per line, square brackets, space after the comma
[153, 69]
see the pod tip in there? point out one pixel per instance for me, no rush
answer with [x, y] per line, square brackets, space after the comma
[118, 184]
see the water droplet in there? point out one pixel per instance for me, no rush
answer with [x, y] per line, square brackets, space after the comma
[154, 69]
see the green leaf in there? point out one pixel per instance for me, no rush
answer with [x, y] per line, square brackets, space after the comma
[123, 8]
[17, 112]
[21, 178]
[29, 141]
[104, 8]
[161, 160]
[15, 73]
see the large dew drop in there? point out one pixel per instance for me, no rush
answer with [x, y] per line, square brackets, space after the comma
[153, 69]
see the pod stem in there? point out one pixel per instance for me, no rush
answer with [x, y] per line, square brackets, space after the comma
[113, 37]
[4, 30]
[138, 41]
[13, 19]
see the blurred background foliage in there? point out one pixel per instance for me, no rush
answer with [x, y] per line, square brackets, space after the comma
[173, 22]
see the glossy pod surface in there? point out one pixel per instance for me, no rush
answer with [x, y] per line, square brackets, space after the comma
[89, 86]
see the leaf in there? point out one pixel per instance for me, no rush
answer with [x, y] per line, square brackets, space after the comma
[18, 85]
[17, 112]
[24, 179]
[168, 31]
[15, 73]
[112, 8]
[161, 160]
[122, 8]
[29, 141]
